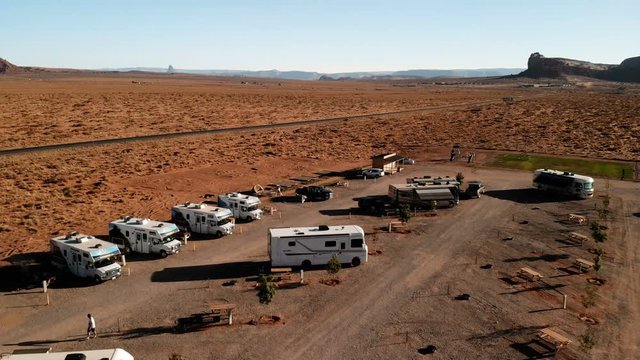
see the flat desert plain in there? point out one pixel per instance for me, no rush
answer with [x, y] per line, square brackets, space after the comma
[393, 306]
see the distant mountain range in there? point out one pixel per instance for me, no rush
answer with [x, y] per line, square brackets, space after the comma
[310, 75]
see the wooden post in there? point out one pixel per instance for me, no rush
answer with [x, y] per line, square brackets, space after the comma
[280, 215]
[128, 271]
[389, 227]
[231, 317]
[44, 286]
[564, 301]
[240, 227]
[301, 276]
[124, 260]
[47, 295]
[194, 246]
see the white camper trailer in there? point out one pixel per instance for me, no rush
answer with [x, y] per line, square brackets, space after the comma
[144, 236]
[86, 257]
[564, 183]
[203, 219]
[244, 207]
[306, 246]
[106, 354]
[422, 196]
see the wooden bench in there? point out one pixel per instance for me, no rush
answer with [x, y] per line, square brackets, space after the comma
[529, 274]
[583, 265]
[280, 270]
[575, 237]
[578, 219]
[556, 340]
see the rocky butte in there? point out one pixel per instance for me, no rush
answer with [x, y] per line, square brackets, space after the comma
[539, 66]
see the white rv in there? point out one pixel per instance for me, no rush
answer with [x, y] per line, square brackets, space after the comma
[203, 219]
[244, 207]
[144, 236]
[421, 195]
[106, 354]
[306, 246]
[86, 257]
[564, 183]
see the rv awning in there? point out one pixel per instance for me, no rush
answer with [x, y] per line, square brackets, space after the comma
[393, 159]
[434, 194]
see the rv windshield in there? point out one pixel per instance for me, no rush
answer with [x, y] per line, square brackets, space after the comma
[167, 238]
[224, 221]
[252, 207]
[104, 260]
[588, 186]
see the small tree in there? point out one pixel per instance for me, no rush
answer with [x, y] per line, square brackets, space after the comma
[587, 340]
[404, 212]
[266, 289]
[333, 266]
[459, 178]
[597, 266]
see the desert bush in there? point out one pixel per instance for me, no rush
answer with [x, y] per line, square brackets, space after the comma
[587, 340]
[333, 266]
[595, 226]
[598, 261]
[266, 289]
[590, 296]
[459, 178]
[404, 212]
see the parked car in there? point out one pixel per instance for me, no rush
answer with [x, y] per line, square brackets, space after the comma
[373, 173]
[315, 193]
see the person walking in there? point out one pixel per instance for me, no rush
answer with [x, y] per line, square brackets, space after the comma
[91, 327]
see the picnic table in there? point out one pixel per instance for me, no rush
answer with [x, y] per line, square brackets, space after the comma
[215, 316]
[556, 340]
[529, 274]
[576, 237]
[578, 219]
[583, 265]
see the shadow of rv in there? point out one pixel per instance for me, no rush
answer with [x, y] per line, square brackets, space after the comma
[341, 212]
[527, 196]
[241, 269]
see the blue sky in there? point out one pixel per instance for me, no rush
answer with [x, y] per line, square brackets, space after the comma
[324, 36]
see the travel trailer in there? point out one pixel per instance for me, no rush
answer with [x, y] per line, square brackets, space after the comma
[243, 207]
[428, 180]
[203, 219]
[422, 196]
[144, 236]
[306, 246]
[564, 183]
[86, 257]
[106, 354]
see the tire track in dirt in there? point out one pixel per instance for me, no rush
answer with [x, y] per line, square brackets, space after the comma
[151, 137]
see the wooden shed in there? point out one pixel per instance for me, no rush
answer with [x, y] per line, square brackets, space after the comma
[390, 163]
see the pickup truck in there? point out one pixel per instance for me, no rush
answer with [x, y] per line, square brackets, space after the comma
[315, 193]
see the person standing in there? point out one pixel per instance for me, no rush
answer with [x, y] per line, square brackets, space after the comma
[91, 327]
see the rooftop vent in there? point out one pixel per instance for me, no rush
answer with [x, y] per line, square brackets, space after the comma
[323, 227]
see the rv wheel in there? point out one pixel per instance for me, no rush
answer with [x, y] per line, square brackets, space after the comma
[97, 279]
[249, 219]
[127, 250]
[306, 264]
[355, 261]
[163, 253]
[219, 234]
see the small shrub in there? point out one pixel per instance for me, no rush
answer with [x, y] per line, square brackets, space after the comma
[599, 236]
[67, 192]
[266, 289]
[597, 266]
[587, 340]
[595, 226]
[333, 266]
[459, 178]
[175, 356]
[590, 296]
[404, 212]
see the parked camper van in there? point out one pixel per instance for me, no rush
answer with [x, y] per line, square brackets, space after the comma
[428, 180]
[244, 207]
[306, 246]
[203, 219]
[564, 183]
[144, 236]
[106, 354]
[86, 257]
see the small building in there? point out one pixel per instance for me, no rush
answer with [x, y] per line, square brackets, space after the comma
[389, 163]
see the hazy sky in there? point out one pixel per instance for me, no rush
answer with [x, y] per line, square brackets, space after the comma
[324, 36]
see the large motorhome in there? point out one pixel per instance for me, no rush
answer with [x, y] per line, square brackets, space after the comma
[86, 257]
[306, 246]
[106, 354]
[564, 183]
[243, 207]
[203, 219]
[422, 196]
[144, 236]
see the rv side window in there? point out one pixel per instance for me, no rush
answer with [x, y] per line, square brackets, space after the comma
[356, 243]
[188, 217]
[329, 244]
[144, 237]
[197, 219]
[292, 243]
[127, 233]
[85, 255]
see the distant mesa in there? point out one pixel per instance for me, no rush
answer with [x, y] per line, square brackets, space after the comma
[7, 67]
[539, 66]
